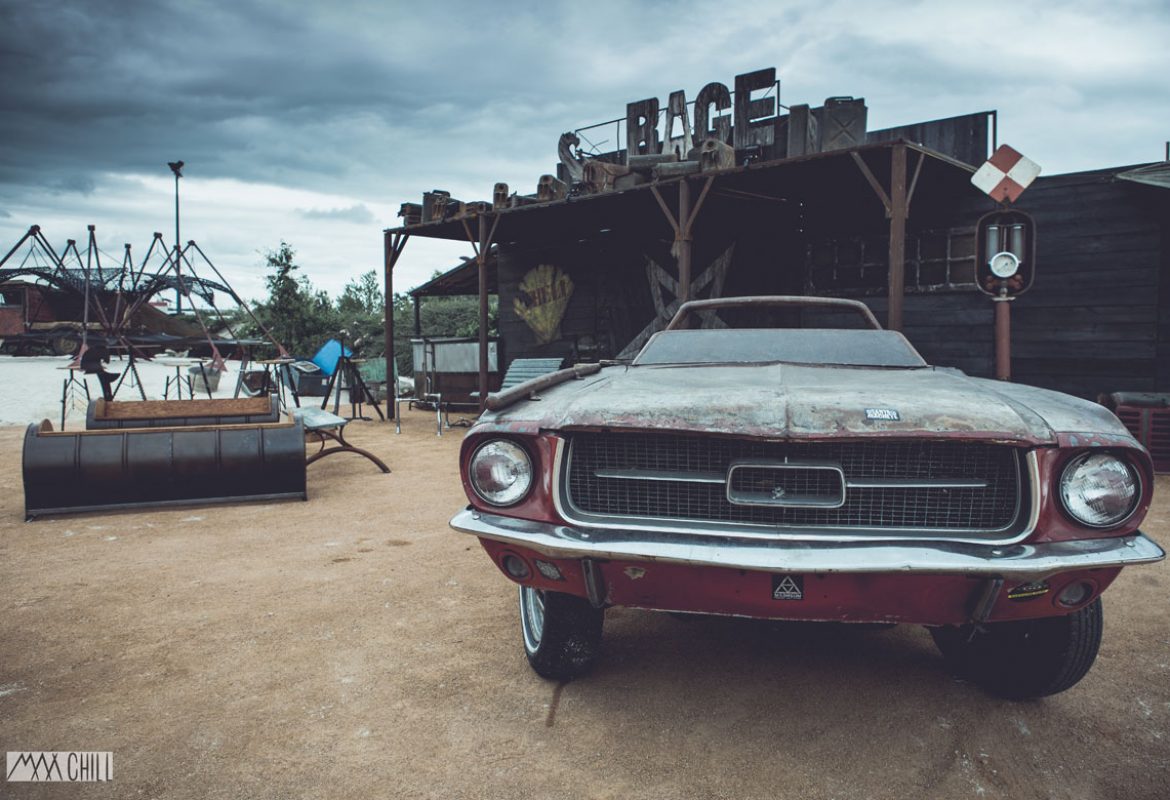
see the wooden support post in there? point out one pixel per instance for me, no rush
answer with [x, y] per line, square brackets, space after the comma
[682, 240]
[683, 225]
[417, 318]
[392, 244]
[481, 245]
[898, 215]
[483, 311]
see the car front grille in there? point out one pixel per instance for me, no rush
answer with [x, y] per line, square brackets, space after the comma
[857, 487]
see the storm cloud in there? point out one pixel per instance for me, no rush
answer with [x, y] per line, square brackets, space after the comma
[297, 117]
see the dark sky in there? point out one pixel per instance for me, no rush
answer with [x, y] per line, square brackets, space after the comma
[312, 122]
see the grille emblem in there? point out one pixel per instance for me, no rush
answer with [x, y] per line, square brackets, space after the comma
[791, 484]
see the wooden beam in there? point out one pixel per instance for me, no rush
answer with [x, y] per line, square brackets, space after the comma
[392, 245]
[914, 182]
[388, 310]
[492, 234]
[683, 225]
[481, 248]
[665, 209]
[699, 203]
[873, 182]
[481, 255]
[470, 237]
[682, 240]
[897, 214]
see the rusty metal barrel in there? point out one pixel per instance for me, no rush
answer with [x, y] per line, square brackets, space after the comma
[106, 414]
[69, 472]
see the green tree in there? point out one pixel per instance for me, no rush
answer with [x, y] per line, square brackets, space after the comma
[302, 317]
[363, 296]
[362, 313]
[295, 313]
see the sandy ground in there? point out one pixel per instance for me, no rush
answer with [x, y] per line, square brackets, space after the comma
[355, 647]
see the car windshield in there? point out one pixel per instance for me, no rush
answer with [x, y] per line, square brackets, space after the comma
[852, 348]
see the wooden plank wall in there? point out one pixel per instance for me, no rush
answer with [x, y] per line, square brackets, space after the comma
[1162, 375]
[964, 138]
[1090, 322]
[611, 301]
[952, 329]
[1096, 320]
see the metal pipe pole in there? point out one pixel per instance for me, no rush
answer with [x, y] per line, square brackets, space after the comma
[1003, 337]
[178, 267]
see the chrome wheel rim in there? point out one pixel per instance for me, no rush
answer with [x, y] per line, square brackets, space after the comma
[531, 617]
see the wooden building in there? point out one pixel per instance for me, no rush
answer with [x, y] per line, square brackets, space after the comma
[812, 203]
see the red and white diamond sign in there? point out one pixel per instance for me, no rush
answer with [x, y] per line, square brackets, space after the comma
[1006, 174]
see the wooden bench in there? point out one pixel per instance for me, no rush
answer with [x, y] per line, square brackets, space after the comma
[105, 414]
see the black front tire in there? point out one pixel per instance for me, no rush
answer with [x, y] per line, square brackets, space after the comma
[561, 633]
[1025, 659]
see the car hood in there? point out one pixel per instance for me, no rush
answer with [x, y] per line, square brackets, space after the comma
[795, 401]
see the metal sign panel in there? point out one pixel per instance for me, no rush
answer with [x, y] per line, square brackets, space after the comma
[1006, 174]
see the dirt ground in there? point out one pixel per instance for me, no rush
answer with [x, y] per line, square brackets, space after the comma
[355, 647]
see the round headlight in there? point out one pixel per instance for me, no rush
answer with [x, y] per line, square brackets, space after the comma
[501, 472]
[1099, 490]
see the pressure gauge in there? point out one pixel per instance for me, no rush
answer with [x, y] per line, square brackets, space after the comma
[1005, 252]
[1004, 265]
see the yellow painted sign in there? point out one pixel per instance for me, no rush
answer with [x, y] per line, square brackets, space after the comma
[544, 296]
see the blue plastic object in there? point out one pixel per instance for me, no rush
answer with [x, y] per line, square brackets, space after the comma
[327, 356]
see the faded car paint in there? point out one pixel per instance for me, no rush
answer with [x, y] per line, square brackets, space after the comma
[781, 401]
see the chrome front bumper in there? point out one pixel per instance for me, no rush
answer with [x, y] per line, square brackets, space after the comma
[1019, 560]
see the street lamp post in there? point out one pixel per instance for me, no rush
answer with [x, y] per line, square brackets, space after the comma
[177, 168]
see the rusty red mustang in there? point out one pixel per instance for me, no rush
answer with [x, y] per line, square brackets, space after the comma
[809, 474]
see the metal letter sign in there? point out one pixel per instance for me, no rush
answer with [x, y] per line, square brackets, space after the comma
[1006, 174]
